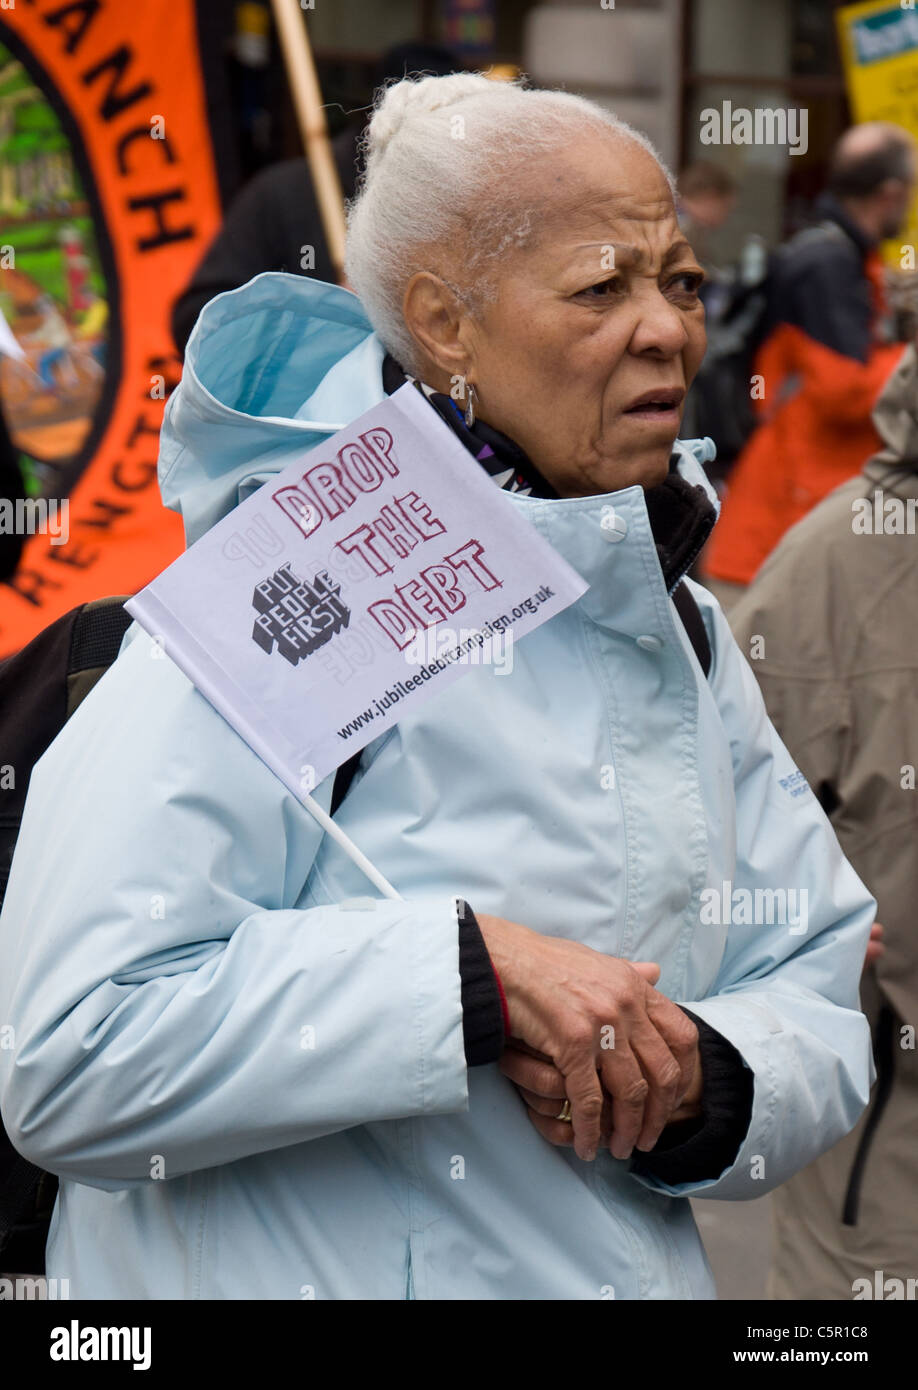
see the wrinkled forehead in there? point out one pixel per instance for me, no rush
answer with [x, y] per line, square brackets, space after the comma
[601, 189]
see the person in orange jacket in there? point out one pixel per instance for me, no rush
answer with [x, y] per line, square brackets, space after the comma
[821, 365]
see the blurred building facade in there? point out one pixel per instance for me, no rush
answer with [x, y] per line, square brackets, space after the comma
[658, 63]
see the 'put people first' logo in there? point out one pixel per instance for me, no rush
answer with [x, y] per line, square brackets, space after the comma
[296, 616]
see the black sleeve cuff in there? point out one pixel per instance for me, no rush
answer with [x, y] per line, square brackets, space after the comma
[701, 1149]
[482, 1015]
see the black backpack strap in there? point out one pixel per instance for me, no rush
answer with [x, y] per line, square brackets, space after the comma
[94, 644]
[343, 779]
[693, 623]
[19, 1180]
[40, 687]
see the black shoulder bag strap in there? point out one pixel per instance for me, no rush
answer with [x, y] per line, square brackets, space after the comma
[693, 623]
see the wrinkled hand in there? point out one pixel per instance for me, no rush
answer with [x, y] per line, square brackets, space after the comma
[542, 1087]
[626, 1053]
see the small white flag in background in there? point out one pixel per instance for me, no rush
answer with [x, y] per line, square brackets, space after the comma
[387, 529]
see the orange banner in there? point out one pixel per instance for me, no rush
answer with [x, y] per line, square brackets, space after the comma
[108, 196]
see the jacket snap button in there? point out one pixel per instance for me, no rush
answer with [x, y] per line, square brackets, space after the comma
[613, 526]
[649, 643]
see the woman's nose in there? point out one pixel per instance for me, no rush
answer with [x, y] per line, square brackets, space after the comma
[660, 327]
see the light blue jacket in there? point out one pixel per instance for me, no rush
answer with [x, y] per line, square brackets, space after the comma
[251, 1088]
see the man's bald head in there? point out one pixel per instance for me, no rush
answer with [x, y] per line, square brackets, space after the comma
[872, 172]
[867, 156]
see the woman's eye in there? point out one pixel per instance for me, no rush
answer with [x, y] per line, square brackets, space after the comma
[689, 282]
[604, 290]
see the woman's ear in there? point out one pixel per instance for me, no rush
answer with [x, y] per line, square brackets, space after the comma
[438, 321]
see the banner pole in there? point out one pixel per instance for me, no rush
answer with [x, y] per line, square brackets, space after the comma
[310, 114]
[350, 849]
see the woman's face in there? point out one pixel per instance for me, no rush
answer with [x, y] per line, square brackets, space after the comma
[586, 354]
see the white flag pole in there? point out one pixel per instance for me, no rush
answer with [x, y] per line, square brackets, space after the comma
[350, 849]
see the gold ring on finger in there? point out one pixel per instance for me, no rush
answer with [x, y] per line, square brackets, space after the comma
[565, 1113]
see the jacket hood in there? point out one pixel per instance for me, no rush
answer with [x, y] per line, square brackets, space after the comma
[273, 369]
[895, 416]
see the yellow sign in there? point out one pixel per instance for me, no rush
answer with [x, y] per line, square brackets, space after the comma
[879, 48]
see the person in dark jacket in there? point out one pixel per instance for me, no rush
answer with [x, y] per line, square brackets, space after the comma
[12, 490]
[274, 223]
[823, 361]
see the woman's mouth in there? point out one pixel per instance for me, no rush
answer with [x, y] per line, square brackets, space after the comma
[660, 406]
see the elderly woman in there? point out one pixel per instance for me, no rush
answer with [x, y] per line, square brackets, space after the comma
[626, 967]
